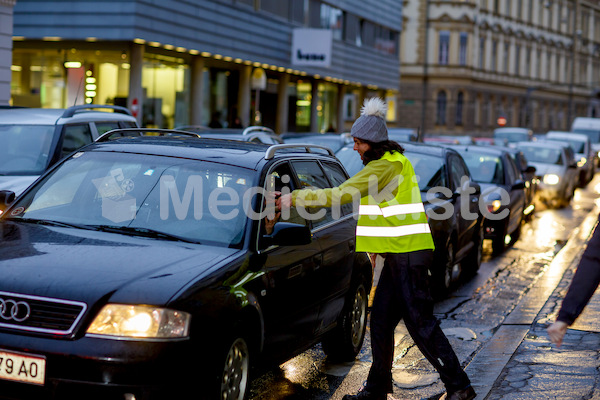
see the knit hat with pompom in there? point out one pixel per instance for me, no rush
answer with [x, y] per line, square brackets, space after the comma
[370, 126]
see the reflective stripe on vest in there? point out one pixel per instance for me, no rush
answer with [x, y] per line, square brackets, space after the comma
[392, 231]
[390, 211]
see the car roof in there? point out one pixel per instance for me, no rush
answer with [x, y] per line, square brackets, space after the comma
[512, 129]
[568, 135]
[544, 143]
[52, 116]
[491, 150]
[425, 148]
[233, 152]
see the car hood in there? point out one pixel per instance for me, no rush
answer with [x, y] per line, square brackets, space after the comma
[542, 169]
[88, 266]
[16, 184]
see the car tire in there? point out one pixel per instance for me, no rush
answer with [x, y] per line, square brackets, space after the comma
[498, 242]
[235, 374]
[473, 261]
[344, 342]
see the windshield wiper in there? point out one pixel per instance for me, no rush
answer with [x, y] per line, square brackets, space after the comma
[52, 223]
[145, 232]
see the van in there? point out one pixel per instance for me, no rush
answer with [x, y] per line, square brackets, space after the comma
[591, 128]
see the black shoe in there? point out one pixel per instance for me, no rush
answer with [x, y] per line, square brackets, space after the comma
[467, 393]
[365, 395]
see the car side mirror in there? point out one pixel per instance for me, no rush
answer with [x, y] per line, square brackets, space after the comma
[519, 184]
[6, 199]
[530, 169]
[289, 234]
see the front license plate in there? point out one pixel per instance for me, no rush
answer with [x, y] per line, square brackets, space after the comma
[22, 368]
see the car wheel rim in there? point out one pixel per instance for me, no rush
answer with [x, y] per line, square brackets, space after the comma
[358, 315]
[235, 372]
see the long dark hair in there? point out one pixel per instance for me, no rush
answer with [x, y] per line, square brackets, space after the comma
[378, 149]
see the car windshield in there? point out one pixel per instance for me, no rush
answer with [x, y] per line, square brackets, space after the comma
[577, 145]
[545, 155]
[193, 200]
[485, 168]
[511, 136]
[25, 149]
[593, 134]
[429, 169]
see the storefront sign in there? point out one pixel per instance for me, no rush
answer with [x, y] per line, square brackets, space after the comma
[312, 47]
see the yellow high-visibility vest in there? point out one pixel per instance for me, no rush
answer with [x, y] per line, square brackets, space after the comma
[398, 225]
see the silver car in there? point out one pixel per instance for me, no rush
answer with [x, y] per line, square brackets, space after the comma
[556, 170]
[584, 155]
[34, 139]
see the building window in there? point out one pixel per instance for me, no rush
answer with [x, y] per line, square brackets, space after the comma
[279, 8]
[330, 18]
[443, 48]
[519, 9]
[481, 52]
[517, 60]
[528, 62]
[460, 99]
[462, 50]
[494, 65]
[530, 11]
[440, 116]
[506, 57]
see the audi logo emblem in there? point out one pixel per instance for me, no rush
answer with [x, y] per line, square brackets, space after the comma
[17, 311]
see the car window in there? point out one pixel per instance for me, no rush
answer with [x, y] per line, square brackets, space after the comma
[337, 176]
[103, 127]
[546, 155]
[511, 170]
[430, 170]
[485, 168]
[75, 136]
[25, 149]
[311, 176]
[128, 124]
[458, 171]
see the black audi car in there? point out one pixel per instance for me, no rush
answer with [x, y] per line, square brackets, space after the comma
[143, 267]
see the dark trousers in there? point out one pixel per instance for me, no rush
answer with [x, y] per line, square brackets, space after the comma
[403, 293]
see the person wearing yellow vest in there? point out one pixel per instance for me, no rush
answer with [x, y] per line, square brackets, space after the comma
[391, 222]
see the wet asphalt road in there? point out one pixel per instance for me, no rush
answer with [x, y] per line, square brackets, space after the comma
[470, 317]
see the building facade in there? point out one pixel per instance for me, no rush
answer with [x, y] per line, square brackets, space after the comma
[6, 24]
[296, 65]
[467, 63]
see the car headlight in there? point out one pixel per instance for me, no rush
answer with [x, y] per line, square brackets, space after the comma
[133, 321]
[551, 179]
[581, 162]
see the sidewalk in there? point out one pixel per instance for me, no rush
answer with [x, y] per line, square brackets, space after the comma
[519, 362]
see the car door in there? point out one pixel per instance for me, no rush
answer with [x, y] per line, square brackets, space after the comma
[466, 204]
[515, 187]
[290, 303]
[335, 233]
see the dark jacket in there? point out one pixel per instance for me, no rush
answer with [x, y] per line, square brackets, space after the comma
[585, 281]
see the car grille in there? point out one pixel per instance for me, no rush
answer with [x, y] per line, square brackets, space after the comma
[39, 314]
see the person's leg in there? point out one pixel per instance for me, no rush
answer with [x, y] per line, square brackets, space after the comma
[412, 285]
[385, 316]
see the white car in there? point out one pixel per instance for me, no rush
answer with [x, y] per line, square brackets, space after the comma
[34, 139]
[556, 170]
[584, 155]
[591, 128]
